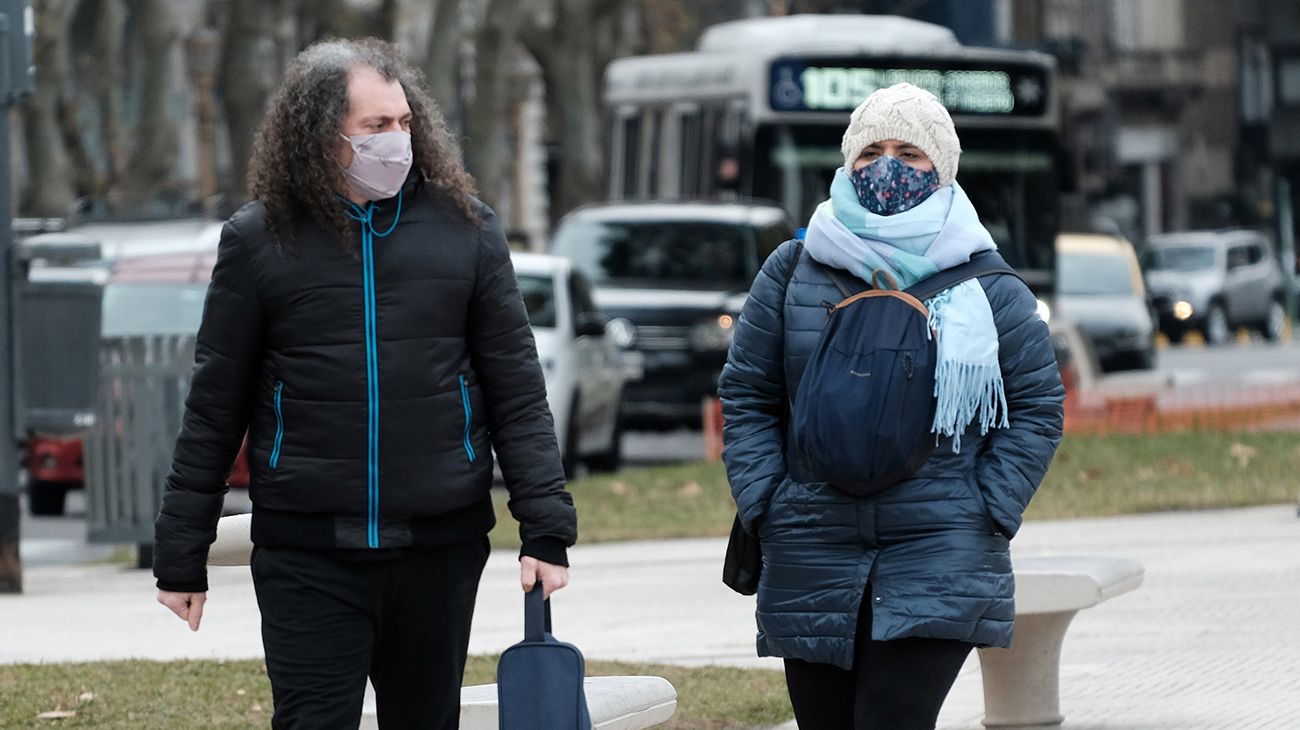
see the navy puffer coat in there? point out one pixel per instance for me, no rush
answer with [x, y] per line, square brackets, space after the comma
[934, 548]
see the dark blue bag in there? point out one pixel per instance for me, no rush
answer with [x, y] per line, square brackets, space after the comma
[539, 680]
[862, 413]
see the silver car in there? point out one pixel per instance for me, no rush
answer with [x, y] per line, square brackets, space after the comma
[1215, 282]
[1099, 287]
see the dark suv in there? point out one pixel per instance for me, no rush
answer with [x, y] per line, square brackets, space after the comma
[672, 277]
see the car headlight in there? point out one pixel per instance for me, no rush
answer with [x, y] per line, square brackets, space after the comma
[1183, 309]
[1044, 311]
[621, 332]
[713, 334]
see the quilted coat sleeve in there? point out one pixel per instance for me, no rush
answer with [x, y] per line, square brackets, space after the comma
[227, 355]
[523, 432]
[1014, 460]
[753, 392]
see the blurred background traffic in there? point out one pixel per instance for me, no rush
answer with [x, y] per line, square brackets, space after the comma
[1137, 160]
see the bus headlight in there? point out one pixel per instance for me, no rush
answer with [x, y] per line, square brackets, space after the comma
[1183, 310]
[713, 334]
[1044, 311]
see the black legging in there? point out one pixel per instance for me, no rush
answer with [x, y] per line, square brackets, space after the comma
[894, 685]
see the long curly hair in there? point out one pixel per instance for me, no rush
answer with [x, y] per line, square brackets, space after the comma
[294, 167]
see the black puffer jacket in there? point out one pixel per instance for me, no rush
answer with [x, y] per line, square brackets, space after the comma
[374, 386]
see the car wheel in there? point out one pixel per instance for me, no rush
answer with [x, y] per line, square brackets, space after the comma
[612, 459]
[47, 498]
[1216, 329]
[1275, 323]
[569, 455]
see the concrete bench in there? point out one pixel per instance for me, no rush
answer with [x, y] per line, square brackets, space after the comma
[1022, 683]
[615, 703]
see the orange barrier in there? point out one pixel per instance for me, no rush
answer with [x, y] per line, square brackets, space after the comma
[1187, 408]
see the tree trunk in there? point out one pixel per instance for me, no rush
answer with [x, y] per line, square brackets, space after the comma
[485, 128]
[247, 78]
[566, 50]
[442, 62]
[50, 191]
[104, 71]
[153, 157]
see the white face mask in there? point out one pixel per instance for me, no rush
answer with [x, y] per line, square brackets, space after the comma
[380, 163]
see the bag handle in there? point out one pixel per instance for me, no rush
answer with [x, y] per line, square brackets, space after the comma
[537, 614]
[884, 281]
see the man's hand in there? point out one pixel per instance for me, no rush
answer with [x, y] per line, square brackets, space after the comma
[188, 606]
[552, 577]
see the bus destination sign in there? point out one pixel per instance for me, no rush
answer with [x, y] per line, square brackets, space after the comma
[829, 85]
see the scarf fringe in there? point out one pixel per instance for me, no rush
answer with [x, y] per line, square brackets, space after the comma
[963, 390]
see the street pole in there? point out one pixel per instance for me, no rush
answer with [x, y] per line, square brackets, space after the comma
[1286, 244]
[11, 567]
[17, 25]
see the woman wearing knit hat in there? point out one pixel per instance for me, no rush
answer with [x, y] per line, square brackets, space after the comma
[876, 601]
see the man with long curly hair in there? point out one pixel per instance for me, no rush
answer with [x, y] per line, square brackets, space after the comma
[365, 329]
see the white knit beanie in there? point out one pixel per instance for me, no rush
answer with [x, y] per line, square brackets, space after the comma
[908, 114]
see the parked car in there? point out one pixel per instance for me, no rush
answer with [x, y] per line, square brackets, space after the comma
[673, 277]
[1099, 286]
[1214, 282]
[143, 295]
[585, 371]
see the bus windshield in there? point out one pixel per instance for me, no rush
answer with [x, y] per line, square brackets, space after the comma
[1011, 178]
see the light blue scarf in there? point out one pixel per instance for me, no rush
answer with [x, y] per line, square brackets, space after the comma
[940, 233]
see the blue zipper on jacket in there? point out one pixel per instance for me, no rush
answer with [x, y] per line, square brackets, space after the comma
[368, 235]
[279, 425]
[469, 417]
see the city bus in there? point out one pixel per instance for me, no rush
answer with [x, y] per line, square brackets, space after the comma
[758, 111]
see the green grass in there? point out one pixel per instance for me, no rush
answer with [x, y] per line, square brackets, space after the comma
[1092, 476]
[691, 500]
[142, 695]
[1114, 475]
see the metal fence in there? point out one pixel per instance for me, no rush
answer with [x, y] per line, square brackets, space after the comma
[143, 383]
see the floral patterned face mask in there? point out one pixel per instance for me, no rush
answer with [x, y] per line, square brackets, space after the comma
[889, 185]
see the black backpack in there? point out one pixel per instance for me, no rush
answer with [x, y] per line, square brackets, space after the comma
[862, 414]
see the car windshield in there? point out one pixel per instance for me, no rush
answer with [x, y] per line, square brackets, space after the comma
[153, 308]
[539, 298]
[1180, 258]
[677, 254]
[1094, 274]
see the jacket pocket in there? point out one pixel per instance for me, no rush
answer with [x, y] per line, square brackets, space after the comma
[279, 425]
[990, 524]
[469, 419]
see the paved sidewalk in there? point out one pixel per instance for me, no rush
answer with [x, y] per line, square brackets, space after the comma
[1212, 640]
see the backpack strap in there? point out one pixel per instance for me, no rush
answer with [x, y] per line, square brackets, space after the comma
[981, 264]
[789, 274]
[839, 282]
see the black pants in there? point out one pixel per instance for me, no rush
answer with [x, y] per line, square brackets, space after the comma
[329, 620]
[894, 685]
